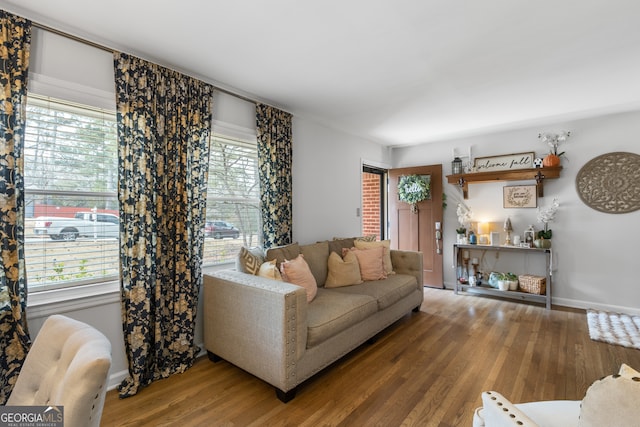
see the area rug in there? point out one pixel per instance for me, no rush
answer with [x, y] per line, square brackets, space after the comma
[614, 328]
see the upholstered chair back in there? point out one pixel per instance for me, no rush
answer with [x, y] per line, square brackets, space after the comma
[67, 366]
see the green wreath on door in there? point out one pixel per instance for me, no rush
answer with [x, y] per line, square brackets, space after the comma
[413, 189]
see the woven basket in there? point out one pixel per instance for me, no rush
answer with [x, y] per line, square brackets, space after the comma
[532, 284]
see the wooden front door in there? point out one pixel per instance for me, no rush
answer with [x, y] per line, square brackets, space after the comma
[420, 230]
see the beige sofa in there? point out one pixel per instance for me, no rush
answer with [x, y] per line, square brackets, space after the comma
[268, 328]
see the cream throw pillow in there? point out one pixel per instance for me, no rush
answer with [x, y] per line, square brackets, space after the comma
[297, 271]
[343, 272]
[269, 269]
[612, 401]
[628, 372]
[386, 244]
[370, 261]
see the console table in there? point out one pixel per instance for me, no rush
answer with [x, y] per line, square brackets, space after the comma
[488, 290]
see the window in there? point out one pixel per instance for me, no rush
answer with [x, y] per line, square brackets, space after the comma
[233, 199]
[72, 217]
[71, 170]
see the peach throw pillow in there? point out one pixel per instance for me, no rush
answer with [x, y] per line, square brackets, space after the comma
[343, 272]
[386, 244]
[370, 261]
[297, 271]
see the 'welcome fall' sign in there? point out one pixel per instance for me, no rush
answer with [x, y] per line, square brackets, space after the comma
[504, 163]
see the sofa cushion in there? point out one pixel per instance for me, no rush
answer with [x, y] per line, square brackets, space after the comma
[386, 292]
[332, 312]
[280, 253]
[386, 257]
[317, 255]
[367, 238]
[249, 260]
[337, 245]
[343, 272]
[370, 261]
[297, 271]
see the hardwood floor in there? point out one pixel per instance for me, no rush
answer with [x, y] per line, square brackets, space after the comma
[428, 369]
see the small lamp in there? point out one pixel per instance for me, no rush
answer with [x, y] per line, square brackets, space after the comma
[456, 166]
[483, 231]
[508, 228]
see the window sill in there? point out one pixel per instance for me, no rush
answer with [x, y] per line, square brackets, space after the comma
[212, 268]
[63, 300]
[55, 301]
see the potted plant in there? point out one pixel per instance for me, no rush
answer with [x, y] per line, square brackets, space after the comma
[504, 281]
[545, 216]
[553, 140]
[544, 239]
[464, 214]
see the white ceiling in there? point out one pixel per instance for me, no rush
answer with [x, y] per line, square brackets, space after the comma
[393, 71]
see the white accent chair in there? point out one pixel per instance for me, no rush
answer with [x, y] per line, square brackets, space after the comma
[67, 366]
[497, 411]
[611, 401]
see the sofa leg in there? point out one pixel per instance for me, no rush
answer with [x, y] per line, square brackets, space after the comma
[286, 396]
[416, 310]
[213, 357]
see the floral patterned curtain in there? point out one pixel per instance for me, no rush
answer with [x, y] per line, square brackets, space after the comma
[15, 39]
[274, 163]
[164, 126]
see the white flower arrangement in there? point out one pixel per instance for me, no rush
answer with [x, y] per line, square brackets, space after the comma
[547, 215]
[464, 214]
[553, 140]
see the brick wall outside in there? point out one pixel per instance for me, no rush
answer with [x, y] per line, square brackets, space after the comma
[370, 204]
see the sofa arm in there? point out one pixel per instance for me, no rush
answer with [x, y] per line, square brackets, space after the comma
[497, 411]
[408, 262]
[258, 324]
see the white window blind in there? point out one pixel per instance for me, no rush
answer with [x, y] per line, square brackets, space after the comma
[71, 196]
[233, 199]
[71, 223]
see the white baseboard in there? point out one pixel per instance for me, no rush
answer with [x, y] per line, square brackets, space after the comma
[115, 379]
[566, 302]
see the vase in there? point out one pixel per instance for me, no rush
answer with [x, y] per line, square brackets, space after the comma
[550, 161]
[542, 243]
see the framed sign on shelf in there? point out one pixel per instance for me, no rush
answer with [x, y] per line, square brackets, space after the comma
[504, 162]
[519, 196]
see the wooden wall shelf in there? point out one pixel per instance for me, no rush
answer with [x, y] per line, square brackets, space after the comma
[536, 174]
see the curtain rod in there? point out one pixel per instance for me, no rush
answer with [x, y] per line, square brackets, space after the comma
[111, 50]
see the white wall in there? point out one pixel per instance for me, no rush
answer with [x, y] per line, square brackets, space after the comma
[327, 165]
[594, 252]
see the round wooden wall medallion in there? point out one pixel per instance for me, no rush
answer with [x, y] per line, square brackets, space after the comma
[611, 183]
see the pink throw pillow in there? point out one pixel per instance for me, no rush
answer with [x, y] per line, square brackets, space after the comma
[371, 263]
[297, 271]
